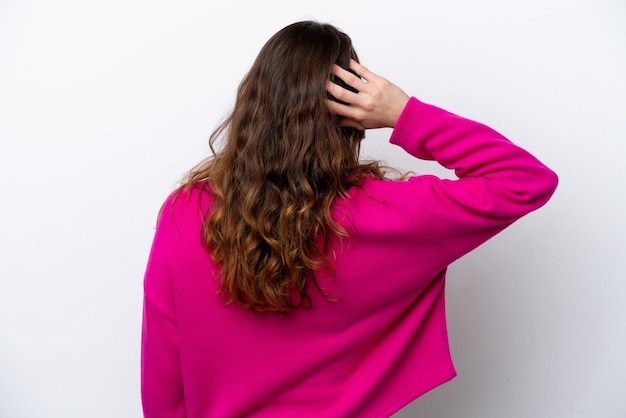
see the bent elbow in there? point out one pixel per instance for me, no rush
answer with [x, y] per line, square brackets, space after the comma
[540, 188]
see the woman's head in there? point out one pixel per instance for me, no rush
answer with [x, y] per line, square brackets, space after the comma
[284, 94]
[283, 162]
[297, 61]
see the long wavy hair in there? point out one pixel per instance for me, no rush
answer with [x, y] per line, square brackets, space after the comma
[284, 160]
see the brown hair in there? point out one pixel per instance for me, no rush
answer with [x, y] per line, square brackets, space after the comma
[283, 163]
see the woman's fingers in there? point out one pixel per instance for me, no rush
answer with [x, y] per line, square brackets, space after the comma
[363, 81]
[362, 71]
[346, 113]
[340, 109]
[340, 93]
[347, 77]
[365, 91]
[377, 104]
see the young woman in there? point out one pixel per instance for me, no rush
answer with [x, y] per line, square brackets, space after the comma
[288, 279]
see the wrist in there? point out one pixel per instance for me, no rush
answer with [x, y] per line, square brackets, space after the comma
[397, 110]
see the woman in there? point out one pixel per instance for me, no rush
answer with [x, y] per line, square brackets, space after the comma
[288, 279]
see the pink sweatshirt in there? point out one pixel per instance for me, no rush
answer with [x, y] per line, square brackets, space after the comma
[383, 343]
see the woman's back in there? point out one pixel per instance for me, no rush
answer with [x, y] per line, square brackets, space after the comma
[374, 336]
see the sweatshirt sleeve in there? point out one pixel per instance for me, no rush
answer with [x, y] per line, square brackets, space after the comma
[161, 380]
[498, 182]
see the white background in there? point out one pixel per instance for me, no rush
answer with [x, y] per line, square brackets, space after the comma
[105, 105]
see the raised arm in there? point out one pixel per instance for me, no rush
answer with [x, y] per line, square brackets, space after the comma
[498, 182]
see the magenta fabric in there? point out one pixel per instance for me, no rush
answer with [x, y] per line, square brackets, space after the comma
[383, 341]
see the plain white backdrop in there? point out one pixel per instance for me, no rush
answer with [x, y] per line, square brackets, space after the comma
[105, 105]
